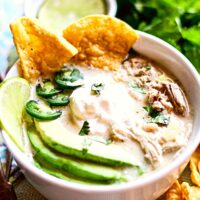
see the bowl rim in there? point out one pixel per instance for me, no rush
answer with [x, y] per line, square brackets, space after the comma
[31, 7]
[184, 155]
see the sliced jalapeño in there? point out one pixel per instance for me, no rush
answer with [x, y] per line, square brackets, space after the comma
[58, 100]
[69, 78]
[47, 89]
[40, 111]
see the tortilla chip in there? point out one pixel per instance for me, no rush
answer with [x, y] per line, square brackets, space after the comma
[195, 167]
[102, 41]
[190, 192]
[40, 51]
[183, 192]
[174, 193]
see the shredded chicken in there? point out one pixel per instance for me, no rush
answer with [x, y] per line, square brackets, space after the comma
[140, 72]
[172, 142]
[172, 146]
[118, 133]
[127, 65]
[164, 97]
[159, 100]
[149, 144]
[177, 98]
[153, 147]
[170, 96]
[143, 80]
[158, 106]
[114, 113]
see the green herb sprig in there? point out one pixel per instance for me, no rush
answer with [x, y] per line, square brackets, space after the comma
[156, 116]
[136, 87]
[97, 88]
[161, 119]
[85, 129]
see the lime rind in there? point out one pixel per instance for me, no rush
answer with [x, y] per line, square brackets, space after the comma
[14, 93]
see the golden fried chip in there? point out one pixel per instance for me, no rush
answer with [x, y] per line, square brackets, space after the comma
[190, 192]
[174, 193]
[40, 51]
[195, 167]
[102, 41]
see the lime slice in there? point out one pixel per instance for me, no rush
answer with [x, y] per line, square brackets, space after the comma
[14, 94]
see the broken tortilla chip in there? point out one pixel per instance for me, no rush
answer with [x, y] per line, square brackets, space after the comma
[183, 192]
[40, 51]
[195, 167]
[190, 192]
[174, 193]
[102, 41]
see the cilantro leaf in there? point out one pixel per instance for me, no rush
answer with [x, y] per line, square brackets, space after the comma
[85, 129]
[136, 88]
[156, 116]
[161, 119]
[97, 87]
[152, 112]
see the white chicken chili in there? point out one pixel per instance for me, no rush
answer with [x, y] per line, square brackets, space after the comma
[139, 108]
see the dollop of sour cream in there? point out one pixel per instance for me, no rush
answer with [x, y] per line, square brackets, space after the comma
[113, 105]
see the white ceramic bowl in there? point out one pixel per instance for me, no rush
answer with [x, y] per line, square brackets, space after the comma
[150, 186]
[31, 7]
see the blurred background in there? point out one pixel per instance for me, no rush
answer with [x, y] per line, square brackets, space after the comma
[175, 21]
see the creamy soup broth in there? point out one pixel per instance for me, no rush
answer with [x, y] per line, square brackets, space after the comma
[139, 107]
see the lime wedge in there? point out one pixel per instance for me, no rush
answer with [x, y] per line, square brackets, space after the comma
[14, 94]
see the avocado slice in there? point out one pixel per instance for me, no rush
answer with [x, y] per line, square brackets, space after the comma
[63, 175]
[55, 135]
[89, 171]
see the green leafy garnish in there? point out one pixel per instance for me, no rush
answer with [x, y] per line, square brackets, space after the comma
[85, 129]
[136, 88]
[140, 171]
[156, 116]
[161, 119]
[96, 88]
[175, 21]
[152, 112]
